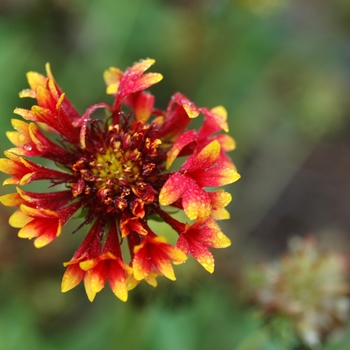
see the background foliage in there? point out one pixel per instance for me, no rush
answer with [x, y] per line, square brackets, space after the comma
[281, 68]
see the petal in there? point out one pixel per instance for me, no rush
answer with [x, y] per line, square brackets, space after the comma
[217, 239]
[220, 240]
[44, 145]
[45, 231]
[151, 279]
[204, 159]
[216, 176]
[45, 98]
[143, 106]
[39, 213]
[220, 214]
[190, 108]
[196, 202]
[24, 113]
[132, 282]
[99, 276]
[227, 143]
[133, 80]
[163, 265]
[184, 140]
[83, 121]
[12, 200]
[46, 224]
[33, 172]
[146, 81]
[25, 171]
[117, 280]
[219, 199]
[72, 277]
[140, 67]
[220, 116]
[48, 200]
[141, 263]
[226, 161]
[35, 80]
[178, 256]
[12, 167]
[43, 115]
[173, 189]
[20, 137]
[111, 78]
[214, 121]
[89, 264]
[132, 224]
[183, 245]
[178, 115]
[202, 255]
[172, 253]
[88, 286]
[18, 219]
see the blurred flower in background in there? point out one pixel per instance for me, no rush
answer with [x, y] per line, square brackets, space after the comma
[308, 286]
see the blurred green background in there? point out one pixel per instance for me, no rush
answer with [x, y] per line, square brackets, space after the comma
[282, 70]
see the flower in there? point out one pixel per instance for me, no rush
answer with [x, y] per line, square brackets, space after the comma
[115, 173]
[307, 286]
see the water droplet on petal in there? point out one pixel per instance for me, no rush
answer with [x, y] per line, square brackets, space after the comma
[27, 147]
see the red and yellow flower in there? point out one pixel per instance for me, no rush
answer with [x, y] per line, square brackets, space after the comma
[117, 174]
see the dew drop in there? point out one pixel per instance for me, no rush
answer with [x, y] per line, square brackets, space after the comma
[27, 147]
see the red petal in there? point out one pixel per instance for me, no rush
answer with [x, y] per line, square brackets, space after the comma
[184, 140]
[35, 80]
[219, 200]
[12, 200]
[173, 189]
[204, 159]
[45, 230]
[162, 263]
[215, 176]
[196, 202]
[141, 262]
[214, 121]
[47, 148]
[117, 280]
[133, 80]
[72, 277]
[45, 98]
[49, 200]
[112, 77]
[190, 108]
[202, 255]
[99, 276]
[143, 106]
[177, 118]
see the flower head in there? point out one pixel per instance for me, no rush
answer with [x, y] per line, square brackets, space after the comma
[116, 174]
[307, 286]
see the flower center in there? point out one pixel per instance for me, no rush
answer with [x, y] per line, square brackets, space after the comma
[116, 166]
[119, 168]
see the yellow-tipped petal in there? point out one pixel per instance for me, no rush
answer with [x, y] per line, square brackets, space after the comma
[72, 277]
[88, 286]
[18, 219]
[35, 80]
